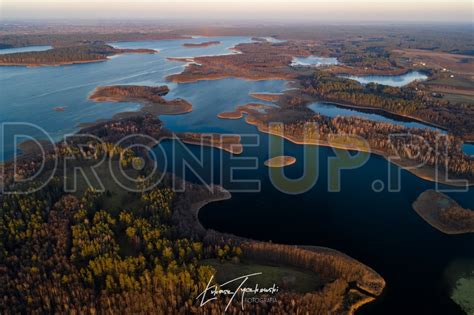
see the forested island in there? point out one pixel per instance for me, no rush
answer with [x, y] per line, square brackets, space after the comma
[142, 250]
[150, 97]
[204, 44]
[66, 55]
[443, 213]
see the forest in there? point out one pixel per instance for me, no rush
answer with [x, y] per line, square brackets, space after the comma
[66, 55]
[457, 118]
[75, 37]
[407, 146]
[141, 251]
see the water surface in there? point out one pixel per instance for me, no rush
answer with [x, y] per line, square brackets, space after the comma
[314, 61]
[333, 110]
[30, 94]
[391, 80]
[468, 148]
[379, 229]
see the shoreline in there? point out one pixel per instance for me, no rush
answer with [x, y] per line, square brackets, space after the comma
[403, 164]
[58, 64]
[368, 287]
[374, 109]
[268, 97]
[177, 78]
[227, 143]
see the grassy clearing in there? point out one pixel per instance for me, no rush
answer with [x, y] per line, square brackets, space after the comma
[286, 278]
[116, 196]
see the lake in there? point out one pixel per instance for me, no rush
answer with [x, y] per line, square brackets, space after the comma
[378, 228]
[314, 61]
[390, 80]
[333, 110]
[468, 148]
[31, 94]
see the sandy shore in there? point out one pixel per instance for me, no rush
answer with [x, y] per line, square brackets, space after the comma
[269, 97]
[280, 161]
[230, 115]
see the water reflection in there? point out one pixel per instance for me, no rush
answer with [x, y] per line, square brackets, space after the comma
[391, 80]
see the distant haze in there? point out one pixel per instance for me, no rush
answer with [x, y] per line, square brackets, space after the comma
[264, 10]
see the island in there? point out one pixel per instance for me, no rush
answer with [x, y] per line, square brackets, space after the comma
[443, 213]
[151, 98]
[280, 161]
[67, 55]
[205, 44]
[230, 115]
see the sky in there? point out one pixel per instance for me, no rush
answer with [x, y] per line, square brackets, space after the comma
[264, 10]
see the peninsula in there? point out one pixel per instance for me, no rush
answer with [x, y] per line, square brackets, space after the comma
[268, 97]
[443, 213]
[254, 61]
[228, 143]
[180, 59]
[352, 133]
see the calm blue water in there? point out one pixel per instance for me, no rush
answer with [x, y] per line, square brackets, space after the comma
[391, 80]
[379, 229]
[30, 94]
[314, 61]
[24, 49]
[332, 110]
[468, 149]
